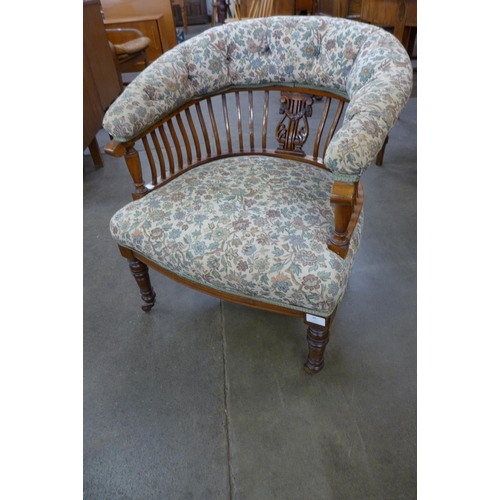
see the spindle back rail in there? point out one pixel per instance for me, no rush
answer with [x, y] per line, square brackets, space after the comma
[235, 122]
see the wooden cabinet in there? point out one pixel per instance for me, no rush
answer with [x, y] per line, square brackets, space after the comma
[101, 81]
[151, 26]
[304, 7]
[350, 9]
[294, 7]
[398, 14]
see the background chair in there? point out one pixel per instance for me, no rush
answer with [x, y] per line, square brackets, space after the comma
[182, 5]
[129, 53]
[215, 17]
[233, 11]
[261, 8]
[256, 9]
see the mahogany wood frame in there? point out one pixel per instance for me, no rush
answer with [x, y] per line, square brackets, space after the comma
[181, 141]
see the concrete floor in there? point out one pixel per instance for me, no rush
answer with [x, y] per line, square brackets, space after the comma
[203, 399]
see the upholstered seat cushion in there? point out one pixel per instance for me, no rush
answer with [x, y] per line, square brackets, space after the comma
[253, 226]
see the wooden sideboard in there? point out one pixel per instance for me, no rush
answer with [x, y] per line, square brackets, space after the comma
[101, 80]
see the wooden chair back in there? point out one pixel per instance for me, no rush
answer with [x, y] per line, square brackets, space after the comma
[271, 121]
[253, 8]
[261, 8]
[182, 6]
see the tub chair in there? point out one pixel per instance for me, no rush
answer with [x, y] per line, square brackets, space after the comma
[246, 166]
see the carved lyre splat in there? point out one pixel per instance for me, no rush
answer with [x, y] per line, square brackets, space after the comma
[292, 135]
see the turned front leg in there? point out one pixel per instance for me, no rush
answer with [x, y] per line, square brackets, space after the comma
[141, 274]
[317, 339]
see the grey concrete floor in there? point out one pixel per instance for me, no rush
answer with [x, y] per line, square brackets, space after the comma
[204, 399]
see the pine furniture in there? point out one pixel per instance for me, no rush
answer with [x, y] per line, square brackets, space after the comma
[101, 81]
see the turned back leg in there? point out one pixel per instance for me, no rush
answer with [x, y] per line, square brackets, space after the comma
[380, 155]
[141, 274]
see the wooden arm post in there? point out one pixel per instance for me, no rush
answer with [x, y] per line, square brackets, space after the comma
[348, 205]
[134, 167]
[118, 149]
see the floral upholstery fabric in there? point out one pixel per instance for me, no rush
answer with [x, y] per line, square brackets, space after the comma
[363, 61]
[253, 226]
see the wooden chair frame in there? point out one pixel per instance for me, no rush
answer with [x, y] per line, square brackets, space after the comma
[190, 137]
[255, 9]
[182, 6]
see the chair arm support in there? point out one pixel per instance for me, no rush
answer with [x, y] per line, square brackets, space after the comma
[115, 148]
[119, 149]
[347, 199]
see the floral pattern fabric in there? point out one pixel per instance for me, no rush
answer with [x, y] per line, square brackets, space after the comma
[253, 226]
[339, 55]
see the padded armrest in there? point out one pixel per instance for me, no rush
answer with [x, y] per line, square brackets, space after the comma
[379, 86]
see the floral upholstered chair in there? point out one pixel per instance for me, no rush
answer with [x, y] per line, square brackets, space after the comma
[238, 203]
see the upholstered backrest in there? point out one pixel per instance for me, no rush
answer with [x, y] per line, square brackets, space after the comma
[362, 62]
